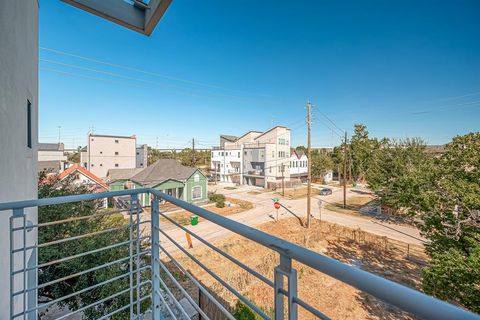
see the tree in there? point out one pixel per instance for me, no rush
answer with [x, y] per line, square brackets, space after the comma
[398, 171]
[450, 215]
[442, 194]
[361, 152]
[52, 187]
[321, 163]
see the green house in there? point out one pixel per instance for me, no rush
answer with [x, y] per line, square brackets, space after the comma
[166, 175]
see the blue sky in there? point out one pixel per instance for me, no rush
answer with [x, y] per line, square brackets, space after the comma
[403, 68]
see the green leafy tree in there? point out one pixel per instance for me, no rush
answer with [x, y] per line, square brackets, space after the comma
[399, 171]
[361, 151]
[79, 225]
[321, 163]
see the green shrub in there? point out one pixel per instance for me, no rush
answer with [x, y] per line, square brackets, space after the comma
[219, 199]
[242, 312]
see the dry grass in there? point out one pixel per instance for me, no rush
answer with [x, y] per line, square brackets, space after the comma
[183, 217]
[353, 205]
[298, 193]
[335, 299]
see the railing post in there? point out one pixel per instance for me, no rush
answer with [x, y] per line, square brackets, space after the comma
[284, 269]
[155, 239]
[133, 204]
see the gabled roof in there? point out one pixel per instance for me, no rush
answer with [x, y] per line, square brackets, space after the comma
[243, 135]
[297, 152]
[271, 130]
[85, 172]
[122, 174]
[162, 170]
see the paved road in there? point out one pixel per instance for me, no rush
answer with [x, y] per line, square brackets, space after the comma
[264, 212]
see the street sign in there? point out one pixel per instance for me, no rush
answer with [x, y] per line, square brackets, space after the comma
[276, 205]
[275, 199]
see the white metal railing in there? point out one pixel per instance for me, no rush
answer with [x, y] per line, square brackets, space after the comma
[147, 290]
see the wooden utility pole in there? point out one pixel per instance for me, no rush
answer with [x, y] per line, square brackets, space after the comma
[309, 179]
[193, 150]
[345, 172]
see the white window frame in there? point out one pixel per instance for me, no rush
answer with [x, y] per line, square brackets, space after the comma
[201, 192]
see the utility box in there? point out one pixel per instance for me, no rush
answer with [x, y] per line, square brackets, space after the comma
[194, 220]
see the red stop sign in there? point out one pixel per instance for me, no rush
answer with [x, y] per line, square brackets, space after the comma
[276, 205]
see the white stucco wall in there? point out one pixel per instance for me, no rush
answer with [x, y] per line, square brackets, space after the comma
[18, 163]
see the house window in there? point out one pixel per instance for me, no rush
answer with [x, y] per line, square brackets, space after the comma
[196, 192]
[116, 164]
[196, 178]
[116, 153]
[239, 154]
[138, 153]
[245, 152]
[273, 154]
[116, 141]
[29, 124]
[141, 164]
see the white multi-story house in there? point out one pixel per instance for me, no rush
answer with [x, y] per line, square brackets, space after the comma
[298, 164]
[104, 152]
[255, 158]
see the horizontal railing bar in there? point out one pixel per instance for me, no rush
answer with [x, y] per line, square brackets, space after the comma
[46, 264]
[225, 284]
[68, 199]
[223, 253]
[100, 301]
[96, 233]
[396, 294]
[73, 294]
[107, 316]
[46, 284]
[175, 301]
[311, 309]
[184, 292]
[52, 223]
[198, 284]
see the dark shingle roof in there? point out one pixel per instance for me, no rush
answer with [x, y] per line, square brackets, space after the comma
[229, 138]
[50, 146]
[162, 170]
[122, 174]
[52, 166]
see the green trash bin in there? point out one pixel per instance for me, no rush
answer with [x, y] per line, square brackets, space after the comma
[194, 220]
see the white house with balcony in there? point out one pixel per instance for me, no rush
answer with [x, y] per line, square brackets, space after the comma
[255, 158]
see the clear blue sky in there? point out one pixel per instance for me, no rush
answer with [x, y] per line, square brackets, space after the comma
[403, 68]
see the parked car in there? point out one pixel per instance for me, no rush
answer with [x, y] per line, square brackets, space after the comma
[325, 191]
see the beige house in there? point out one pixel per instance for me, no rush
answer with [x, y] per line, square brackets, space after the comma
[105, 152]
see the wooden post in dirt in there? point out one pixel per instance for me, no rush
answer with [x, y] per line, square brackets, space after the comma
[309, 166]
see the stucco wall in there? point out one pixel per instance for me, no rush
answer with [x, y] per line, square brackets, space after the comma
[18, 163]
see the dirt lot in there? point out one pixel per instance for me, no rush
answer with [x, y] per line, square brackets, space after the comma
[353, 205]
[183, 217]
[297, 193]
[335, 299]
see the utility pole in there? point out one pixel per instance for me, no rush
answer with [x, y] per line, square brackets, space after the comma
[309, 187]
[193, 150]
[345, 172]
[283, 179]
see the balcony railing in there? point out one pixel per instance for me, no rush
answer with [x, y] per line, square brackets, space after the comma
[149, 284]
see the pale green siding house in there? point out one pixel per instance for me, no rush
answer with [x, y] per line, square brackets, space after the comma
[166, 175]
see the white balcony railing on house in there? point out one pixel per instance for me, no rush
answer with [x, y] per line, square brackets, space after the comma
[144, 272]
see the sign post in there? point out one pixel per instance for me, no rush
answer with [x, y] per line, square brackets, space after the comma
[276, 205]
